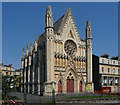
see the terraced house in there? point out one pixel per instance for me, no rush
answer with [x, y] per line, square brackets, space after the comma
[59, 60]
[7, 70]
[106, 74]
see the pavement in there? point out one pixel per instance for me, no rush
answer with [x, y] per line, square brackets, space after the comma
[75, 104]
[38, 100]
[32, 98]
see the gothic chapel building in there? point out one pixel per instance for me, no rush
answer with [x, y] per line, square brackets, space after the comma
[59, 59]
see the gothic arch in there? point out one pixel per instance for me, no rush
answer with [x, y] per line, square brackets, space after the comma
[81, 83]
[60, 78]
[82, 79]
[73, 72]
[72, 66]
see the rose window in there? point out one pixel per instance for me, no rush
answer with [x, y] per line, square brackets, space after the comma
[70, 47]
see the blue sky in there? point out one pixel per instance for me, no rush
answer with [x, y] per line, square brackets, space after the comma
[23, 22]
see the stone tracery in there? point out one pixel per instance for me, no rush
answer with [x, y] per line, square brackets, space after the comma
[70, 47]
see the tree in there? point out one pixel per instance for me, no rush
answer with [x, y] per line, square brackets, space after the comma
[5, 87]
[17, 82]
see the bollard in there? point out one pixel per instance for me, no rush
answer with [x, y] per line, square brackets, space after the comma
[53, 96]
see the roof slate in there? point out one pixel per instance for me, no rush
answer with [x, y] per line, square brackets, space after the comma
[57, 24]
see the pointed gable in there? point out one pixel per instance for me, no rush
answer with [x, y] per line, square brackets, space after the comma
[71, 64]
[64, 20]
[60, 25]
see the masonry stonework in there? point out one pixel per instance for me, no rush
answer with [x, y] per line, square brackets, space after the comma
[59, 60]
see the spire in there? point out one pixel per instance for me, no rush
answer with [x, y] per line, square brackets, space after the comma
[27, 50]
[88, 24]
[31, 44]
[89, 56]
[88, 30]
[49, 17]
[49, 20]
[23, 52]
[49, 10]
[35, 45]
[68, 10]
[31, 47]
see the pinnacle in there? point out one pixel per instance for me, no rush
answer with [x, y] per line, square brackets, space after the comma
[49, 10]
[68, 9]
[88, 24]
[27, 46]
[31, 43]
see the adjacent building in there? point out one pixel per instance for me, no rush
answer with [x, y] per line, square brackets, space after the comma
[106, 74]
[7, 70]
[17, 78]
[59, 60]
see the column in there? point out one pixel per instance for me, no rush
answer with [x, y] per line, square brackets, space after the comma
[22, 75]
[33, 73]
[28, 79]
[49, 64]
[48, 53]
[39, 71]
[80, 58]
[107, 80]
[52, 60]
[29, 63]
[113, 80]
[25, 73]
[102, 80]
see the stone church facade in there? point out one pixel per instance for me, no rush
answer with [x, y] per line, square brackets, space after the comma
[59, 60]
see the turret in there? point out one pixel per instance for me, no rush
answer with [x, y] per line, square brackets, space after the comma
[89, 56]
[49, 21]
[35, 45]
[27, 50]
[88, 33]
[31, 47]
[23, 52]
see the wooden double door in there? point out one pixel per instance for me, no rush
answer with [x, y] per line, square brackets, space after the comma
[80, 87]
[59, 87]
[70, 85]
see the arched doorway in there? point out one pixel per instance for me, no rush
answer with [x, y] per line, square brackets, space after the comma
[59, 86]
[80, 87]
[70, 84]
